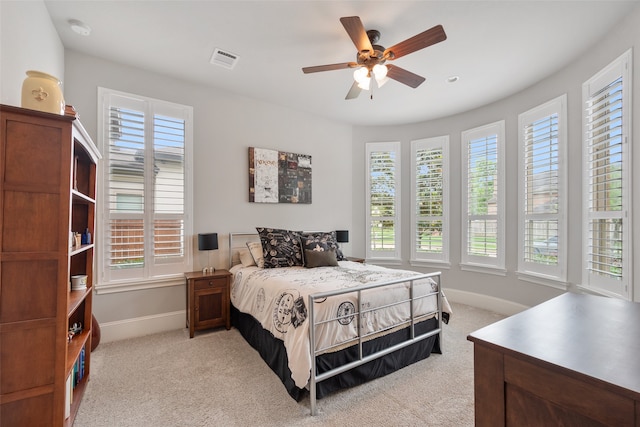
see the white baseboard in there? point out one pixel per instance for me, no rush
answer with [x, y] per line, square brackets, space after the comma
[140, 326]
[485, 302]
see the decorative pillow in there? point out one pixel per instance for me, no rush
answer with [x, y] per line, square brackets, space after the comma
[255, 249]
[320, 258]
[246, 259]
[280, 248]
[322, 241]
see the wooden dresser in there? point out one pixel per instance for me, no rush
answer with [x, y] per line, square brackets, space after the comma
[571, 361]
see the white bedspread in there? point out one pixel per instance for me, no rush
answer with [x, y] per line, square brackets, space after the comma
[278, 299]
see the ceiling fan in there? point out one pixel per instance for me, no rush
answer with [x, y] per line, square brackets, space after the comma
[371, 57]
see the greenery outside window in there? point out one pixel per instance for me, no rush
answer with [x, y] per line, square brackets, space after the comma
[383, 201]
[430, 200]
[483, 199]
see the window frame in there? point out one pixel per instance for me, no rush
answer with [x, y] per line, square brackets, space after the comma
[620, 68]
[551, 275]
[492, 265]
[421, 258]
[390, 256]
[156, 271]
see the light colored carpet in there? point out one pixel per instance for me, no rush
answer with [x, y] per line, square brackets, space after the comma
[217, 379]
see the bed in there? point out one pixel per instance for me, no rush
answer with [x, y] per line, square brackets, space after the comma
[323, 323]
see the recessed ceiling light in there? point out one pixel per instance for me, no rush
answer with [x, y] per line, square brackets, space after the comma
[79, 27]
[453, 79]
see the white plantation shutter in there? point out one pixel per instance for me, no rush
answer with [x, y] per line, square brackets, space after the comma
[169, 188]
[482, 197]
[429, 216]
[607, 179]
[146, 194]
[542, 201]
[125, 184]
[383, 196]
[483, 215]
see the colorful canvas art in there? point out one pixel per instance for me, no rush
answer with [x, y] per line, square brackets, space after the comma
[279, 177]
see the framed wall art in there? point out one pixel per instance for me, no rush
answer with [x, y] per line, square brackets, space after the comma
[279, 177]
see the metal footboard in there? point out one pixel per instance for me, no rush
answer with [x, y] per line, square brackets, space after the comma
[362, 337]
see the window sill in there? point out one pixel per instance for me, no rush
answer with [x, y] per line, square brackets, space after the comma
[540, 279]
[384, 261]
[430, 264]
[600, 292]
[139, 285]
[476, 268]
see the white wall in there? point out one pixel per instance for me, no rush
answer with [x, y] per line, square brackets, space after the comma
[29, 42]
[569, 81]
[225, 125]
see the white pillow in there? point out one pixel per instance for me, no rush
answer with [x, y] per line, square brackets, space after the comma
[245, 257]
[255, 248]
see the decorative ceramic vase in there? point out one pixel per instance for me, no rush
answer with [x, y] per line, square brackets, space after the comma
[41, 91]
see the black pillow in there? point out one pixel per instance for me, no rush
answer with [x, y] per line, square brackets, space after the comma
[322, 241]
[281, 248]
[314, 259]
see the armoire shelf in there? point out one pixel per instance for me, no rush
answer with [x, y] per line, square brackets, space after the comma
[48, 172]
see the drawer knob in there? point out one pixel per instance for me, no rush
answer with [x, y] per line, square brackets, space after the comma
[210, 282]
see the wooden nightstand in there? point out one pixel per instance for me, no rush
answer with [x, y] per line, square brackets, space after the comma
[208, 301]
[355, 259]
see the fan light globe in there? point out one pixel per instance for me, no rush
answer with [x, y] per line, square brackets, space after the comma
[362, 77]
[380, 71]
[360, 74]
[364, 85]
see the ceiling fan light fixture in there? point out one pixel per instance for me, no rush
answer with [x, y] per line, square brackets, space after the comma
[360, 74]
[365, 84]
[380, 71]
[362, 77]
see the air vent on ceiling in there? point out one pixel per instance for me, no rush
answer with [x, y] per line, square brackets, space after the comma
[224, 59]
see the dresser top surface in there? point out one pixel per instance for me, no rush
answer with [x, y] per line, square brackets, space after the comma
[591, 335]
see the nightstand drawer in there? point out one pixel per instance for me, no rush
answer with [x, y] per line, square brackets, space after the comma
[210, 282]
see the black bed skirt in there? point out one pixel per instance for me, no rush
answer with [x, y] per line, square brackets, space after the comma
[273, 352]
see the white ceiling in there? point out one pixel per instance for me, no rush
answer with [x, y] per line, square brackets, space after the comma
[497, 48]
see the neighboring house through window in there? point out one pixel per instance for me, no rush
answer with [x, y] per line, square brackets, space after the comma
[430, 200]
[542, 137]
[607, 180]
[383, 201]
[483, 199]
[145, 189]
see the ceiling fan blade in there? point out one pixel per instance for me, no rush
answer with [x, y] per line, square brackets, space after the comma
[354, 91]
[404, 76]
[419, 41]
[356, 31]
[329, 67]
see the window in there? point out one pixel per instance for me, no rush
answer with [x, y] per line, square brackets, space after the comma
[483, 198]
[430, 199]
[542, 137]
[607, 180]
[383, 200]
[145, 197]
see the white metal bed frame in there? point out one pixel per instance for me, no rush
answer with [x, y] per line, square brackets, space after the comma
[361, 338]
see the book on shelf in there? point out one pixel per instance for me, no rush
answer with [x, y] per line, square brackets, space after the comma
[67, 398]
